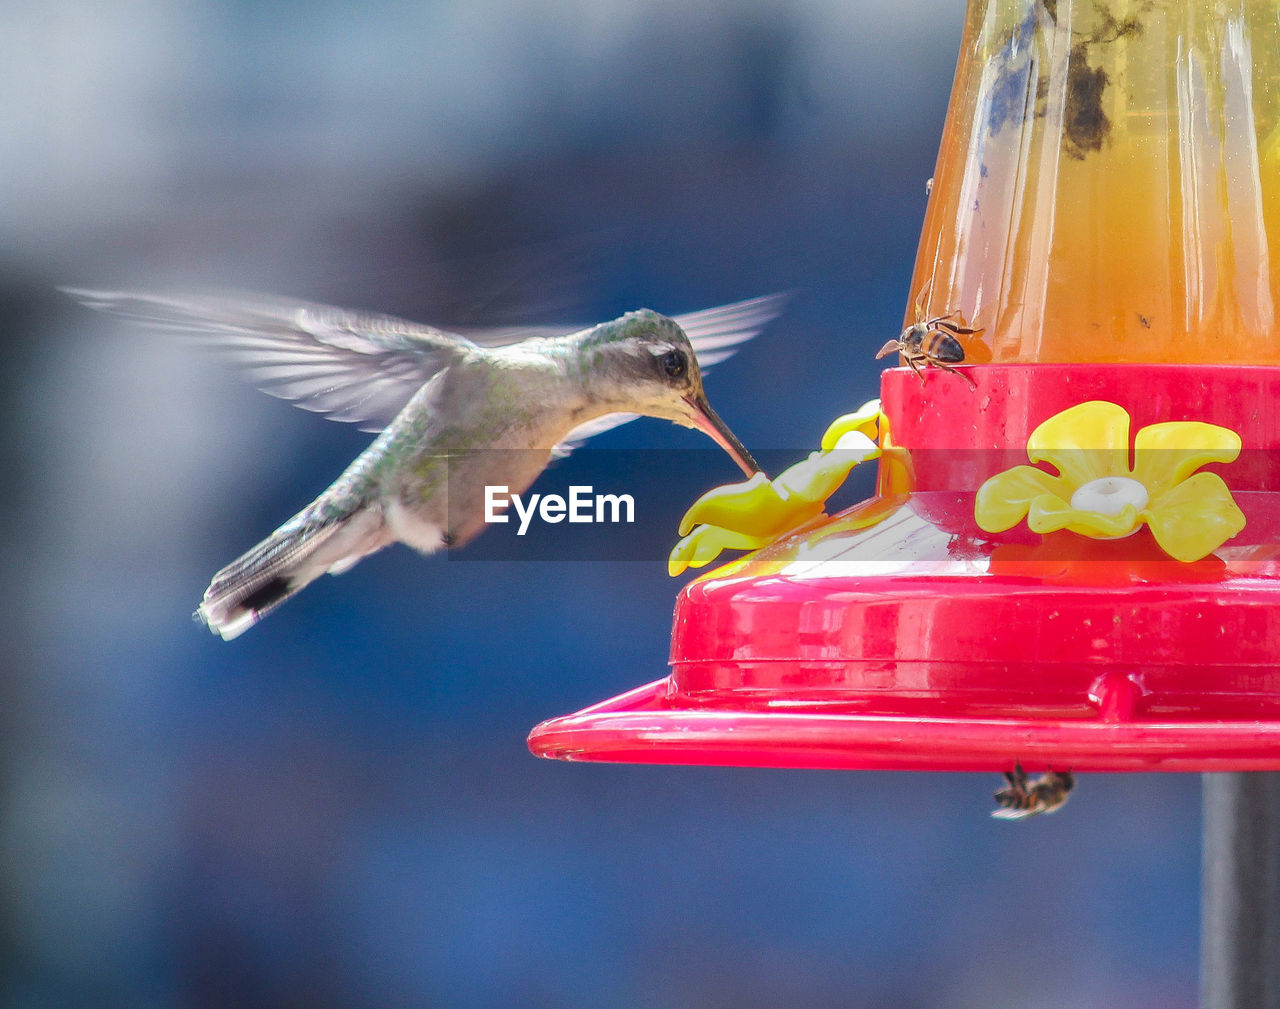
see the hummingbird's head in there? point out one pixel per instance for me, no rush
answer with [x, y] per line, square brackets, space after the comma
[647, 365]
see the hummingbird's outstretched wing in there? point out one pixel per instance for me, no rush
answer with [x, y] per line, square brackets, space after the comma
[350, 366]
[716, 334]
[712, 331]
[362, 367]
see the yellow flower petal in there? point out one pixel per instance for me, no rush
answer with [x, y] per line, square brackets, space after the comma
[1190, 514]
[1050, 513]
[752, 506]
[897, 472]
[704, 544]
[1084, 442]
[865, 420]
[759, 507]
[1165, 454]
[1003, 500]
[818, 477]
[1194, 518]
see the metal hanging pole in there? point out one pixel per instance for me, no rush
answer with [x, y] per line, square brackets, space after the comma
[1240, 891]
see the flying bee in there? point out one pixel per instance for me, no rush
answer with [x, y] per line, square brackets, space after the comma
[931, 342]
[1022, 797]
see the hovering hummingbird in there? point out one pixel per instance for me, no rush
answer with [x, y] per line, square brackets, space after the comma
[456, 414]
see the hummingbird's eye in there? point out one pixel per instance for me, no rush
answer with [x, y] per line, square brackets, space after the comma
[675, 364]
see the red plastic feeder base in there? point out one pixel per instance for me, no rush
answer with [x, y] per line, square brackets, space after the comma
[899, 635]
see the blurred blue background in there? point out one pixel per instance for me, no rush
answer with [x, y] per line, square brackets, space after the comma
[338, 809]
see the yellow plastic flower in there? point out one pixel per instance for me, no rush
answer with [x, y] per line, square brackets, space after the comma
[1097, 494]
[755, 512]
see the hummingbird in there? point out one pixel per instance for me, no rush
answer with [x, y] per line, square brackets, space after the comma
[455, 414]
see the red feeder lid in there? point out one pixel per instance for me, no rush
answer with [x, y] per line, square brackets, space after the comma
[899, 635]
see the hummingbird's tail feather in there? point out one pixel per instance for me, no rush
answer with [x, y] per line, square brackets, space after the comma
[283, 564]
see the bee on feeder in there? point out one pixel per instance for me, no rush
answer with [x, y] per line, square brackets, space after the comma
[1025, 797]
[931, 342]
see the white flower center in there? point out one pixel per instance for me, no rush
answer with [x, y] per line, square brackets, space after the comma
[1109, 494]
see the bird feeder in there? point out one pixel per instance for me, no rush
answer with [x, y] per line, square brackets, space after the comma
[1073, 556]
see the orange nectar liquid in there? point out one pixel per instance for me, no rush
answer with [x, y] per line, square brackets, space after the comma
[1108, 184]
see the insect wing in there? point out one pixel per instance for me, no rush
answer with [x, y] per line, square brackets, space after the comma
[889, 348]
[1014, 814]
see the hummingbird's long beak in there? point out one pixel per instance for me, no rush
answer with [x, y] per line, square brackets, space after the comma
[708, 421]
